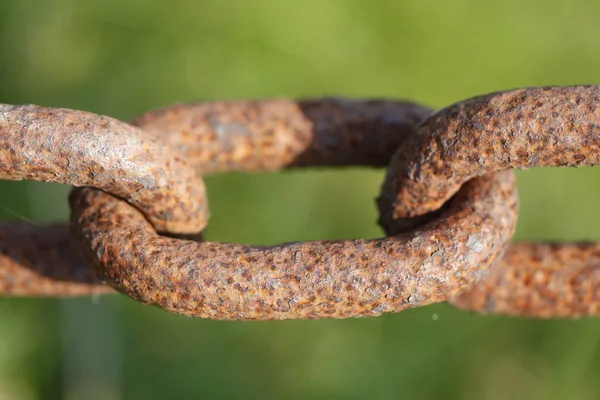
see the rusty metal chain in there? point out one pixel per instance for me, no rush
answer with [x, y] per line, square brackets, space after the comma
[448, 205]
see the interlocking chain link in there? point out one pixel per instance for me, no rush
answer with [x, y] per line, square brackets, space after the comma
[139, 206]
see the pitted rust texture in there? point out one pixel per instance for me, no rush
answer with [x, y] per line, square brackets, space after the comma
[41, 261]
[552, 126]
[84, 149]
[539, 280]
[332, 131]
[280, 133]
[445, 259]
[329, 279]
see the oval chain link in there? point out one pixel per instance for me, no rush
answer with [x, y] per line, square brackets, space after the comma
[447, 209]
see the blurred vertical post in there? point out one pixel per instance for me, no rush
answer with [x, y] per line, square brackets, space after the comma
[91, 339]
[91, 349]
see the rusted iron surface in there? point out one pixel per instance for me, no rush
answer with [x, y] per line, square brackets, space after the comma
[445, 228]
[551, 126]
[84, 149]
[42, 261]
[540, 280]
[273, 134]
[330, 279]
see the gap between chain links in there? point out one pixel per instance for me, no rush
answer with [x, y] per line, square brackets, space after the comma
[442, 240]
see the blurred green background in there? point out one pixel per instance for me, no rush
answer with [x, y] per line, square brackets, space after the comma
[121, 58]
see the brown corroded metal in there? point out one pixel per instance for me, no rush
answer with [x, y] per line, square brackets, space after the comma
[330, 279]
[548, 126]
[42, 261]
[212, 137]
[262, 135]
[446, 258]
[541, 280]
[84, 149]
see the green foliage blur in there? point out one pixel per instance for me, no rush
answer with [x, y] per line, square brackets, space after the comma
[122, 57]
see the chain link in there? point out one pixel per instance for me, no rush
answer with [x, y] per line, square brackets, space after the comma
[139, 206]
